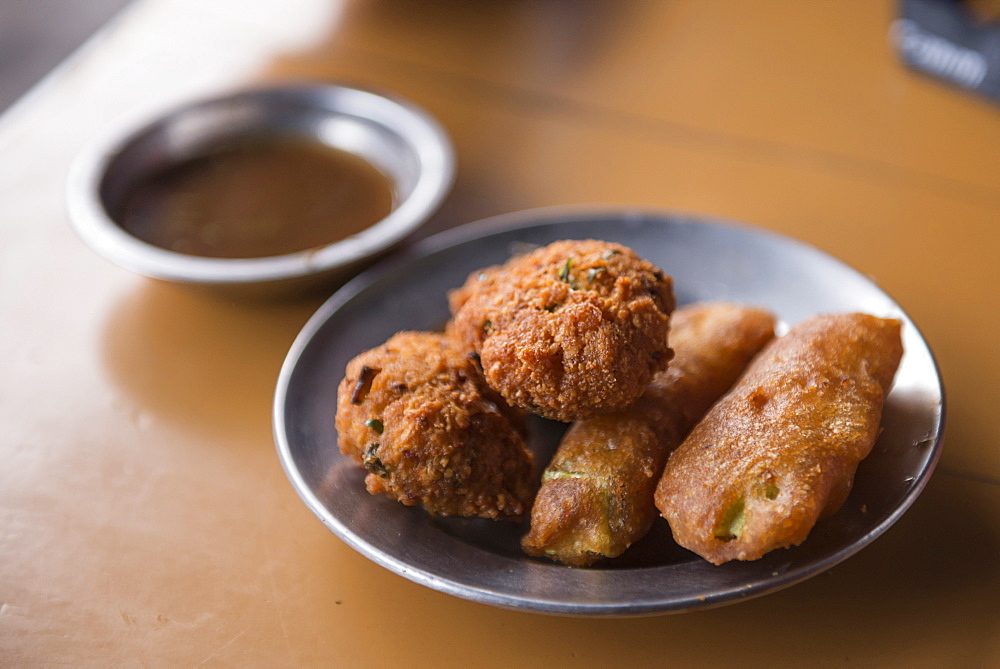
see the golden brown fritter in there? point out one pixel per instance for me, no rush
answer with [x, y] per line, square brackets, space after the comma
[780, 450]
[596, 497]
[417, 414]
[567, 331]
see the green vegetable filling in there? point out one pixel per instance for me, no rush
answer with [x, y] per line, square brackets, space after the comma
[555, 474]
[564, 273]
[732, 522]
[371, 461]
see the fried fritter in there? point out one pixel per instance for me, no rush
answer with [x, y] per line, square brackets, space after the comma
[418, 416]
[567, 331]
[596, 497]
[780, 450]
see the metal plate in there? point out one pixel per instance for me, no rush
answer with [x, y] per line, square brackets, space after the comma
[480, 559]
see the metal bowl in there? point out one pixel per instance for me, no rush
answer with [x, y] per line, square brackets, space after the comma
[400, 140]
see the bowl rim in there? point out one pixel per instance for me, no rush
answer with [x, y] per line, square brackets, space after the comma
[418, 129]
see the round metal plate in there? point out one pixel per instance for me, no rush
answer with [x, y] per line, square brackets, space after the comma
[480, 559]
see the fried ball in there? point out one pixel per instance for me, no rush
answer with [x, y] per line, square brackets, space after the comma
[596, 497]
[779, 451]
[567, 331]
[418, 416]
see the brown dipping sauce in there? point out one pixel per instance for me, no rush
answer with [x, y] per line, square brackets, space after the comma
[258, 199]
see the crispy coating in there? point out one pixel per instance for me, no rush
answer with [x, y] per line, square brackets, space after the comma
[780, 450]
[418, 416]
[596, 497]
[569, 330]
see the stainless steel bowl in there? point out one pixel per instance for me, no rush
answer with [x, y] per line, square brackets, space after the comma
[400, 140]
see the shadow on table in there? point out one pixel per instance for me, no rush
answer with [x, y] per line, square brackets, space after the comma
[543, 41]
[201, 361]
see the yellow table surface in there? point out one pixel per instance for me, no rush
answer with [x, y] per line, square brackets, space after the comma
[145, 519]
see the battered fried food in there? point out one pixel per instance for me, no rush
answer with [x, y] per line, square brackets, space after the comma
[570, 330]
[417, 415]
[780, 450]
[596, 497]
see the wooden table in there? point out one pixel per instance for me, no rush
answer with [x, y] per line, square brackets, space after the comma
[144, 516]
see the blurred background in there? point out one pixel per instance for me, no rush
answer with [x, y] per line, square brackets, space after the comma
[37, 35]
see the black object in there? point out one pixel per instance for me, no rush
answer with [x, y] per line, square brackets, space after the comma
[945, 39]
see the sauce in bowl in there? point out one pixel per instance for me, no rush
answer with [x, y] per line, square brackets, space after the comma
[259, 198]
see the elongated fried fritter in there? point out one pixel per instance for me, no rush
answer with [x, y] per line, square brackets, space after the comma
[418, 416]
[597, 493]
[780, 450]
[567, 331]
